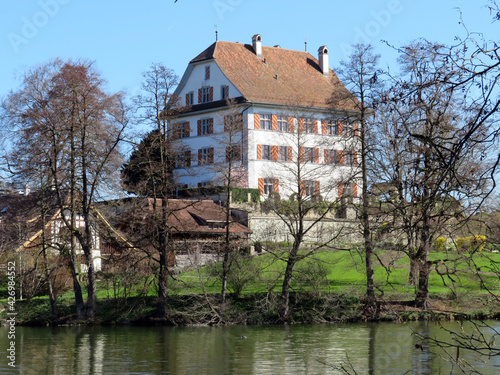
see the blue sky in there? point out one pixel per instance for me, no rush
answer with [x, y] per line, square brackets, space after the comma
[125, 37]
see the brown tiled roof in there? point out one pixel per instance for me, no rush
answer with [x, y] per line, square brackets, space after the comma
[190, 216]
[281, 76]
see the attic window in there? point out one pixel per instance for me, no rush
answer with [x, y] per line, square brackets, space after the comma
[216, 225]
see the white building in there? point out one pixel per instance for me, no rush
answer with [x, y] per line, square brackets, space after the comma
[295, 117]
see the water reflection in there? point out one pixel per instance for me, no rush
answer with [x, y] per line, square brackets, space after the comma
[383, 348]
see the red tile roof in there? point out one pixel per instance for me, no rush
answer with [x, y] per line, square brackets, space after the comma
[281, 76]
[193, 216]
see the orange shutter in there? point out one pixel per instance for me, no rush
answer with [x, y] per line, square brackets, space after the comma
[187, 129]
[315, 125]
[355, 129]
[199, 127]
[355, 158]
[302, 188]
[327, 156]
[316, 187]
[211, 95]
[324, 126]
[199, 157]
[261, 185]
[211, 155]
[187, 157]
[301, 125]
[174, 131]
[210, 126]
[276, 185]
[259, 152]
[290, 124]
[301, 154]
[199, 95]
[274, 153]
[290, 153]
[256, 121]
[187, 99]
[341, 157]
[239, 121]
[354, 189]
[274, 122]
[316, 155]
[340, 125]
[341, 190]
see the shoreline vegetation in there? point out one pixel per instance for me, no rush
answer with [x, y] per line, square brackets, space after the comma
[251, 310]
[329, 287]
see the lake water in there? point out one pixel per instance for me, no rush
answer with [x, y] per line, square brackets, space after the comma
[374, 348]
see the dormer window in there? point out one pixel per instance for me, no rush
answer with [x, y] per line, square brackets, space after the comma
[216, 224]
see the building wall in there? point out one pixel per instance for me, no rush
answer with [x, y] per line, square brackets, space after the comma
[252, 167]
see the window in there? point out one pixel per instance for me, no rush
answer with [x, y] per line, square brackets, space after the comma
[216, 224]
[207, 72]
[335, 157]
[348, 130]
[265, 122]
[351, 159]
[224, 92]
[182, 130]
[283, 153]
[282, 123]
[180, 160]
[309, 154]
[309, 188]
[233, 122]
[347, 190]
[205, 156]
[332, 127]
[269, 185]
[204, 184]
[309, 125]
[205, 94]
[266, 152]
[190, 98]
[233, 153]
[206, 127]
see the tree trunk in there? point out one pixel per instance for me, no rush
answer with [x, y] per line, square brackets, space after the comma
[163, 272]
[371, 303]
[91, 288]
[77, 289]
[422, 298]
[414, 268]
[284, 312]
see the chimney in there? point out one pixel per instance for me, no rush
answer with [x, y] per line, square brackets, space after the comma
[323, 60]
[257, 44]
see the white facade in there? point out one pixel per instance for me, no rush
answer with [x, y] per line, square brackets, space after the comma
[322, 161]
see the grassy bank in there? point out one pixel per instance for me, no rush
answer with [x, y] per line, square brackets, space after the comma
[327, 287]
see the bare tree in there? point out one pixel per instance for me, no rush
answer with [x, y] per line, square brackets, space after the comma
[295, 173]
[149, 172]
[433, 179]
[360, 75]
[62, 118]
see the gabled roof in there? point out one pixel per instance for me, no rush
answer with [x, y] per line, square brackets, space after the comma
[281, 76]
